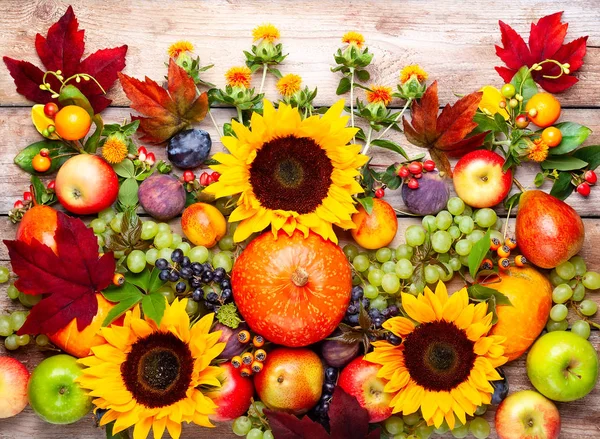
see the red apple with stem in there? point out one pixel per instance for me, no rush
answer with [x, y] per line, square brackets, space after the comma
[527, 414]
[86, 184]
[14, 378]
[359, 379]
[479, 179]
[233, 397]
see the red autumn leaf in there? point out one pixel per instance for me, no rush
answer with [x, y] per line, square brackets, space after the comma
[62, 49]
[545, 42]
[68, 279]
[347, 419]
[169, 111]
[444, 135]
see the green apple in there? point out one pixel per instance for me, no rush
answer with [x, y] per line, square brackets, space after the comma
[563, 366]
[53, 393]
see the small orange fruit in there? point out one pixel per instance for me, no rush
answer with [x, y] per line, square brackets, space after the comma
[551, 136]
[41, 163]
[72, 122]
[203, 224]
[377, 229]
[547, 109]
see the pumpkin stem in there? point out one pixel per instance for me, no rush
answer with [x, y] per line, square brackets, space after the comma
[300, 277]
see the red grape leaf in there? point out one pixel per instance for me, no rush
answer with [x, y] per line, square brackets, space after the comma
[545, 42]
[62, 49]
[68, 279]
[446, 134]
[169, 111]
[347, 420]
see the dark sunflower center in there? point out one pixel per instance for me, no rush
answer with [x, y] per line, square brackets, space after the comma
[438, 355]
[158, 370]
[291, 173]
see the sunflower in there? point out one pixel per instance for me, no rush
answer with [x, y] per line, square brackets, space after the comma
[538, 151]
[446, 360]
[239, 77]
[379, 94]
[289, 84]
[353, 38]
[290, 173]
[266, 32]
[413, 70]
[115, 148]
[180, 47]
[148, 375]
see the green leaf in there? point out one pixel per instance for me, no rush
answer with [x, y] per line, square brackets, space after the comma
[120, 435]
[128, 192]
[126, 291]
[121, 308]
[343, 86]
[478, 253]
[562, 186]
[512, 201]
[56, 147]
[363, 75]
[563, 163]
[125, 169]
[39, 190]
[70, 95]
[388, 144]
[140, 280]
[524, 84]
[91, 144]
[153, 306]
[539, 179]
[390, 178]
[589, 154]
[367, 203]
[501, 123]
[492, 309]
[573, 135]
[154, 284]
[482, 293]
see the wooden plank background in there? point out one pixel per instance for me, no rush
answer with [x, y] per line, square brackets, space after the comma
[452, 41]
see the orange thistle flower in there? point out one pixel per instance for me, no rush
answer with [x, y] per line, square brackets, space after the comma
[413, 70]
[180, 47]
[538, 152]
[239, 77]
[379, 94]
[289, 84]
[265, 31]
[354, 38]
[115, 148]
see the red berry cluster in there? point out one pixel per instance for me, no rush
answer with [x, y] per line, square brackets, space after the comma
[412, 172]
[586, 181]
[205, 178]
[251, 361]
[145, 156]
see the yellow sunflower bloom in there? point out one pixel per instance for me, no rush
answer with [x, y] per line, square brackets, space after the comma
[413, 70]
[148, 376]
[379, 94]
[490, 101]
[115, 149]
[446, 360]
[289, 84]
[180, 47]
[239, 77]
[265, 31]
[290, 173]
[353, 38]
[538, 151]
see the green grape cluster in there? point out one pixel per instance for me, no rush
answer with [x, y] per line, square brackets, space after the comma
[414, 427]
[571, 281]
[253, 426]
[11, 323]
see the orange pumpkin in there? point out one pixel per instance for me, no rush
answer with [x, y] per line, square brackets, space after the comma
[292, 290]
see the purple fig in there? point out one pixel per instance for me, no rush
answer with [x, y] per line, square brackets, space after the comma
[430, 197]
[229, 336]
[162, 196]
[338, 353]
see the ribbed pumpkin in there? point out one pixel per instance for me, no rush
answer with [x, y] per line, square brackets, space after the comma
[292, 290]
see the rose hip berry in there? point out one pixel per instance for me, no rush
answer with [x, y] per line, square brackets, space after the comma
[590, 176]
[27, 196]
[403, 172]
[214, 177]
[521, 121]
[415, 168]
[429, 165]
[188, 176]
[51, 185]
[379, 193]
[50, 109]
[413, 183]
[18, 204]
[204, 179]
[583, 189]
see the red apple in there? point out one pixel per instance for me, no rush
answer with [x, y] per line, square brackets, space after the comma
[360, 380]
[14, 378]
[479, 179]
[234, 396]
[291, 380]
[86, 184]
[548, 230]
[527, 414]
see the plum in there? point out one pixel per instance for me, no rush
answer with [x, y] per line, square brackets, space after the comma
[429, 198]
[189, 149]
[500, 388]
[162, 196]
[337, 353]
[229, 336]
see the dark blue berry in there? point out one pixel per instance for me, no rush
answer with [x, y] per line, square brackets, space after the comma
[195, 282]
[357, 292]
[220, 271]
[164, 275]
[393, 339]
[331, 374]
[197, 295]
[185, 262]
[500, 388]
[365, 303]
[225, 283]
[385, 312]
[352, 309]
[328, 388]
[180, 287]
[208, 276]
[212, 297]
[186, 272]
[209, 306]
[173, 276]
[161, 263]
[394, 310]
[177, 255]
[197, 268]
[226, 294]
[325, 407]
[374, 313]
[189, 148]
[378, 321]
[353, 319]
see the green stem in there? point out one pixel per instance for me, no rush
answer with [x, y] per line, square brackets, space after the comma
[501, 142]
[215, 123]
[368, 141]
[264, 76]
[240, 117]
[406, 105]
[352, 101]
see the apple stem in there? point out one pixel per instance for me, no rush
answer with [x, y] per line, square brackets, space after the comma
[519, 185]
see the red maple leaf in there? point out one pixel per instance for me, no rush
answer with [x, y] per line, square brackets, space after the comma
[68, 279]
[347, 419]
[445, 135]
[169, 111]
[62, 49]
[545, 42]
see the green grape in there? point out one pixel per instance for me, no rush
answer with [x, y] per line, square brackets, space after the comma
[444, 257]
[42, 340]
[5, 326]
[475, 236]
[163, 227]
[4, 275]
[226, 243]
[17, 319]
[12, 292]
[552, 326]
[184, 247]
[428, 222]
[191, 308]
[424, 431]
[384, 254]
[361, 263]
[119, 254]
[498, 225]
[375, 277]
[454, 232]
[151, 256]
[443, 220]
[411, 419]
[101, 242]
[149, 230]
[394, 425]
[198, 254]
[588, 307]
[460, 431]
[441, 241]
[591, 280]
[480, 428]
[389, 267]
[559, 312]
[455, 264]
[163, 240]
[224, 205]
[268, 434]
[11, 342]
[468, 211]
[432, 275]
[165, 253]
[370, 291]
[415, 289]
[579, 264]
[455, 205]
[581, 328]
[457, 219]
[24, 340]
[98, 226]
[379, 303]
[464, 260]
[400, 436]
[107, 215]
[466, 225]
[115, 223]
[241, 426]
[404, 251]
[390, 283]
[463, 247]
[414, 235]
[373, 266]
[555, 279]
[177, 239]
[481, 410]
[485, 217]
[442, 428]
[578, 292]
[566, 270]
[223, 260]
[29, 300]
[445, 274]
[136, 261]
[562, 293]
[404, 269]
[350, 250]
[168, 293]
